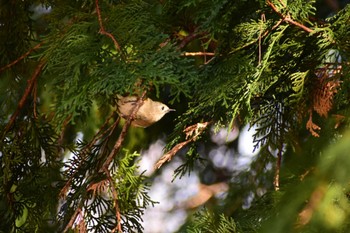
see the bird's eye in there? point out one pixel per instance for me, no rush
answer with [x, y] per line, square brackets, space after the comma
[162, 107]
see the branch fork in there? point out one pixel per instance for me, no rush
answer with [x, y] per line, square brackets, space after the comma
[192, 133]
[287, 18]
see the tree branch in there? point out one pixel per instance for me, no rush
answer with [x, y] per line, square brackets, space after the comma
[259, 38]
[193, 132]
[119, 142]
[23, 100]
[102, 29]
[189, 38]
[74, 216]
[283, 4]
[85, 150]
[21, 57]
[287, 18]
[115, 201]
[198, 54]
[291, 21]
[276, 182]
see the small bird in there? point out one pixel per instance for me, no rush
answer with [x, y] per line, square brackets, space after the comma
[149, 112]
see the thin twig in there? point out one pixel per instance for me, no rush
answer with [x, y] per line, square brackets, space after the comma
[283, 4]
[207, 62]
[193, 132]
[35, 93]
[21, 57]
[115, 201]
[288, 18]
[23, 100]
[276, 182]
[72, 219]
[84, 151]
[260, 36]
[63, 128]
[256, 40]
[100, 133]
[198, 54]
[82, 224]
[119, 142]
[189, 38]
[102, 29]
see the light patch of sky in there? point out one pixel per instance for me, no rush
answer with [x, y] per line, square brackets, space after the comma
[223, 157]
[169, 215]
[69, 155]
[224, 135]
[151, 156]
[246, 143]
[43, 155]
[248, 201]
[39, 10]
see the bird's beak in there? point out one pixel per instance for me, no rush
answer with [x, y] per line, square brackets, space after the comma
[171, 110]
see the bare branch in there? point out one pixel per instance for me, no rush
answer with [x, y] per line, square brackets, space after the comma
[84, 151]
[72, 219]
[291, 21]
[283, 4]
[192, 131]
[287, 18]
[189, 38]
[119, 142]
[198, 54]
[23, 100]
[115, 201]
[276, 182]
[21, 57]
[102, 29]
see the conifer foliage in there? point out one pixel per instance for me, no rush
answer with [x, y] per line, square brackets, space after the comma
[280, 66]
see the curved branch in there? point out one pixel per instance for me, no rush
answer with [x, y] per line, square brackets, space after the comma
[119, 142]
[287, 18]
[189, 38]
[23, 100]
[21, 57]
[192, 132]
[102, 29]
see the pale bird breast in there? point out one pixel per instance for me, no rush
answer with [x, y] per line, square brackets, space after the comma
[141, 123]
[125, 108]
[145, 114]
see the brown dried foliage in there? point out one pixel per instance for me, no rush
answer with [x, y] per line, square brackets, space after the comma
[327, 85]
[326, 88]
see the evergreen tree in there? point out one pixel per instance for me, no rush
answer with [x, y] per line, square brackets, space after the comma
[279, 66]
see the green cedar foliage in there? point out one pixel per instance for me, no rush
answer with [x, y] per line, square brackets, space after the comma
[206, 222]
[277, 65]
[30, 177]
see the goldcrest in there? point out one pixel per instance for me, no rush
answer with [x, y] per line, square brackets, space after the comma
[149, 112]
